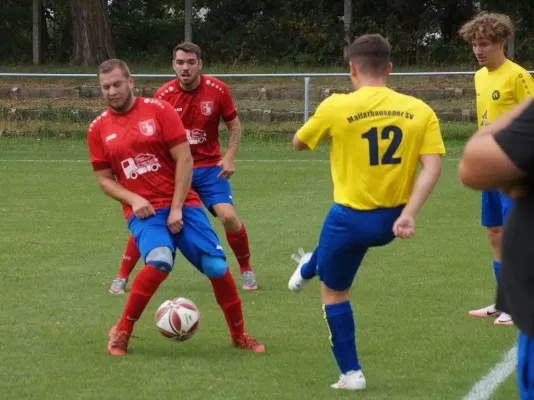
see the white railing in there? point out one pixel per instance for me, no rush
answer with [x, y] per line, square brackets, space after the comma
[307, 78]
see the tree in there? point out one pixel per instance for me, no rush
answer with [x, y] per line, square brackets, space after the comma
[188, 34]
[91, 35]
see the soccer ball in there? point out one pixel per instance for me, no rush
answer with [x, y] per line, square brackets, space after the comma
[177, 319]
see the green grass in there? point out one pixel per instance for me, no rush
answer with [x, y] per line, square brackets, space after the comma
[65, 128]
[62, 241]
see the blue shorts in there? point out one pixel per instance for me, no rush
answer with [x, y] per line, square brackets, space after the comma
[495, 208]
[346, 235]
[525, 367]
[196, 239]
[212, 190]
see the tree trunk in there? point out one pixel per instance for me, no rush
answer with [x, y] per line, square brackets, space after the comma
[347, 20]
[37, 29]
[188, 34]
[91, 35]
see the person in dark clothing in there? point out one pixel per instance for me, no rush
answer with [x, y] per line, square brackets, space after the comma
[501, 156]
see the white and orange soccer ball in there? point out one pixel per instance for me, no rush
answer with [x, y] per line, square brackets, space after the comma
[178, 319]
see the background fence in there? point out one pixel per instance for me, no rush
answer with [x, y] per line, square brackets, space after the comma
[306, 76]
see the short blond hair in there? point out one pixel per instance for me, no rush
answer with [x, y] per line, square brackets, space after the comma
[109, 65]
[492, 26]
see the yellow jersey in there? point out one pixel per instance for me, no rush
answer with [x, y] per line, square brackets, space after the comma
[500, 90]
[376, 137]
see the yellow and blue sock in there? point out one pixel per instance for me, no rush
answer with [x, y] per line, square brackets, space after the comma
[309, 270]
[496, 267]
[342, 335]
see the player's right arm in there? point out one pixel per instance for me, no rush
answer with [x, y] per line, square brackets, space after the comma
[524, 86]
[106, 178]
[430, 159]
[315, 130]
[141, 207]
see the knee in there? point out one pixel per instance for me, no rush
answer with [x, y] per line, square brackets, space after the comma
[332, 296]
[213, 267]
[494, 236]
[228, 217]
[161, 258]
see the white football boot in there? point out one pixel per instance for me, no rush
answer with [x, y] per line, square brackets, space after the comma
[489, 311]
[504, 319]
[352, 380]
[297, 282]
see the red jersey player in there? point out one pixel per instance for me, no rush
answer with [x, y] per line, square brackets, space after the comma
[140, 156]
[201, 101]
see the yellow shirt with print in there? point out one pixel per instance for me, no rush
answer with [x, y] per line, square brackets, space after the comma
[376, 137]
[500, 90]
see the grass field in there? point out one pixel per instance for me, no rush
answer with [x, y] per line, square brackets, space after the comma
[62, 241]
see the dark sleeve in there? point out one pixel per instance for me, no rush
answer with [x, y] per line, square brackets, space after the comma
[517, 140]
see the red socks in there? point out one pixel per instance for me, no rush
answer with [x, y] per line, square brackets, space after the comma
[226, 295]
[144, 286]
[131, 256]
[238, 241]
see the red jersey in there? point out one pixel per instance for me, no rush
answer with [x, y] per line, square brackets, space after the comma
[135, 146]
[201, 111]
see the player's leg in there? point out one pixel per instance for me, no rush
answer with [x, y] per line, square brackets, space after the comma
[504, 318]
[237, 237]
[200, 245]
[129, 260]
[344, 240]
[305, 271]
[338, 261]
[525, 367]
[491, 218]
[157, 249]
[216, 195]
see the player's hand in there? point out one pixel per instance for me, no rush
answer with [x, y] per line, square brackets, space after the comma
[142, 208]
[175, 220]
[228, 167]
[404, 226]
[515, 192]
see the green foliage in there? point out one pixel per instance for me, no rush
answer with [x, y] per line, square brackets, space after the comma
[15, 30]
[267, 33]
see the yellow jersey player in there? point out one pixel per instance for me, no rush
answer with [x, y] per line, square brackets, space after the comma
[500, 85]
[377, 139]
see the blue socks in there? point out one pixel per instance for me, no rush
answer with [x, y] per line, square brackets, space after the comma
[342, 335]
[309, 270]
[496, 267]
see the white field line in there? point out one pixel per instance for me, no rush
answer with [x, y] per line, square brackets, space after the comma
[489, 383]
[283, 160]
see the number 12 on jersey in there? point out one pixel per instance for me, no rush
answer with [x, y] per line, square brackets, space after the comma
[385, 134]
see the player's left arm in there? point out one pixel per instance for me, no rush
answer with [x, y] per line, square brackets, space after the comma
[181, 153]
[227, 164]
[176, 141]
[233, 124]
[315, 130]
[430, 155]
[498, 155]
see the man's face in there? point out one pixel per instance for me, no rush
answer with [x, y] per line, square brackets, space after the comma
[117, 90]
[187, 67]
[487, 52]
